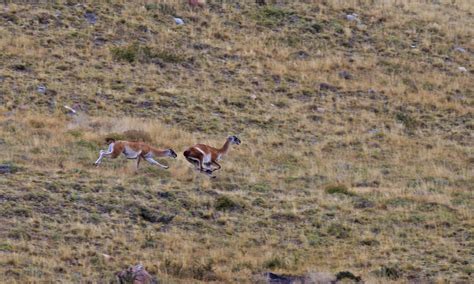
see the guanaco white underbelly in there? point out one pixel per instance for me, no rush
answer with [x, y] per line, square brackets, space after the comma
[129, 152]
[206, 157]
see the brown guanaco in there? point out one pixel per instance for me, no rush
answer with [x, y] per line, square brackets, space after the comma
[134, 150]
[203, 156]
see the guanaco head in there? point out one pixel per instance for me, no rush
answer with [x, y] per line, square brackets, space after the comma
[171, 153]
[109, 140]
[234, 140]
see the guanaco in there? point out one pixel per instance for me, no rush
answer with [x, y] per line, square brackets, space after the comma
[134, 150]
[203, 156]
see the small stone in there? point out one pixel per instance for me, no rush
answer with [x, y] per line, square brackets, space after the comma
[99, 41]
[460, 49]
[462, 69]
[300, 55]
[374, 131]
[41, 89]
[349, 275]
[91, 18]
[145, 104]
[253, 97]
[294, 19]
[5, 169]
[178, 21]
[352, 17]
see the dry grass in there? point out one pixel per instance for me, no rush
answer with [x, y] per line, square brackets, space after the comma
[371, 174]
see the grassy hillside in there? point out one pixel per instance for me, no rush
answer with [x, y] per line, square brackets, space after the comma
[357, 136]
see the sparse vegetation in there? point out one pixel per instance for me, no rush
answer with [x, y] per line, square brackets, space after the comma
[338, 189]
[356, 134]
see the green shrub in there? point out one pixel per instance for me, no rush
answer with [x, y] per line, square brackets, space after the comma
[162, 7]
[6, 247]
[128, 53]
[141, 53]
[274, 263]
[408, 121]
[272, 16]
[338, 189]
[169, 56]
[227, 203]
[339, 231]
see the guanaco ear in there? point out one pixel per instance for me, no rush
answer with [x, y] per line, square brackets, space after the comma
[234, 139]
[237, 140]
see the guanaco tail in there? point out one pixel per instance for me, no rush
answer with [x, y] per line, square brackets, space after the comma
[134, 150]
[204, 156]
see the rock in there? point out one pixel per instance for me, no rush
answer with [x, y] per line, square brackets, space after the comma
[460, 49]
[99, 41]
[158, 62]
[20, 67]
[327, 87]
[91, 18]
[273, 278]
[41, 89]
[374, 131]
[462, 69]
[345, 75]
[145, 104]
[293, 19]
[178, 21]
[300, 55]
[352, 17]
[136, 275]
[6, 169]
[347, 275]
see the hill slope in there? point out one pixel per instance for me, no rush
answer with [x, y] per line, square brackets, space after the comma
[356, 155]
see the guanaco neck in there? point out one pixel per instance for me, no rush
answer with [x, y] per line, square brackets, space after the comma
[225, 148]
